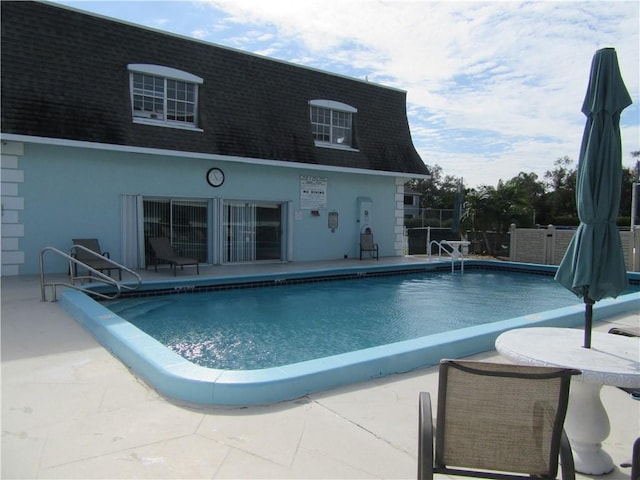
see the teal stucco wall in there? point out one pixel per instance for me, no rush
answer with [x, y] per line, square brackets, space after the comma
[67, 192]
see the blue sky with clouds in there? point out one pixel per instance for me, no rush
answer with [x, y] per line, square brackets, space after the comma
[493, 88]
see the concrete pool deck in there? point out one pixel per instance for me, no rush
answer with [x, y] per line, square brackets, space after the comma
[72, 410]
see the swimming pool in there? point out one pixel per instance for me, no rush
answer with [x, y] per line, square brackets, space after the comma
[254, 328]
[180, 379]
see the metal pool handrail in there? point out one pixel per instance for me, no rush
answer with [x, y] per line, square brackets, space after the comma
[96, 275]
[453, 251]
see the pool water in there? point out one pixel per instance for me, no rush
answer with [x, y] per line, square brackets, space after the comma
[254, 328]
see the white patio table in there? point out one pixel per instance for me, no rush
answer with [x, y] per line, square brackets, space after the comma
[611, 360]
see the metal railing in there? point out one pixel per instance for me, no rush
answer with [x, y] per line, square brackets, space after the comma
[93, 274]
[455, 249]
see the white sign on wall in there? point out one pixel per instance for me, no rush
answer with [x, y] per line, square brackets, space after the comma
[313, 193]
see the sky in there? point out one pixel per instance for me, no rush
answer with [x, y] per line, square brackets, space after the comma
[493, 88]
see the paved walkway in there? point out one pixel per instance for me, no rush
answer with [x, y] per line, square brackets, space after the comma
[71, 410]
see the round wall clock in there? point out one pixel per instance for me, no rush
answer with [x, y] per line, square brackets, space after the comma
[215, 177]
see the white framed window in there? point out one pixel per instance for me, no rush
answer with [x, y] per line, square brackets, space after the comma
[332, 123]
[163, 96]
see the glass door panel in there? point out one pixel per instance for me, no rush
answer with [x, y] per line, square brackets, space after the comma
[239, 232]
[190, 233]
[252, 232]
[183, 222]
[268, 232]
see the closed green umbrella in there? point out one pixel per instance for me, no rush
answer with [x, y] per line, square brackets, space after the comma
[593, 265]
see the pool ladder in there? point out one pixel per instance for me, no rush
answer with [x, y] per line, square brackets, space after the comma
[453, 249]
[93, 274]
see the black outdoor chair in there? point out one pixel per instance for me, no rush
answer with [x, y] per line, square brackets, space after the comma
[96, 258]
[163, 251]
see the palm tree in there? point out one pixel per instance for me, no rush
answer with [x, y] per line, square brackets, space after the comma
[490, 209]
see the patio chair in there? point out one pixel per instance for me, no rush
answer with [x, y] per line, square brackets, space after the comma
[496, 421]
[635, 394]
[635, 460]
[628, 332]
[91, 260]
[163, 251]
[367, 244]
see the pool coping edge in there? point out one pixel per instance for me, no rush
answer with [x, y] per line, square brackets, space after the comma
[177, 378]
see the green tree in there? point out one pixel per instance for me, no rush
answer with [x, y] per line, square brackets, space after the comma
[477, 213]
[561, 197]
[437, 192]
[489, 211]
[626, 192]
[475, 216]
[525, 200]
[630, 176]
[530, 195]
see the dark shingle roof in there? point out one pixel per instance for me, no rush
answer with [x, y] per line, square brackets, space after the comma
[64, 75]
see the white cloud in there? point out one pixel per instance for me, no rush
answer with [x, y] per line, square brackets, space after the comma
[510, 76]
[200, 34]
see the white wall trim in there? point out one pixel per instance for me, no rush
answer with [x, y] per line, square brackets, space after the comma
[333, 105]
[399, 244]
[12, 206]
[162, 71]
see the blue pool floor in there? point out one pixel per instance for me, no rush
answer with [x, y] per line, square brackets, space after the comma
[72, 410]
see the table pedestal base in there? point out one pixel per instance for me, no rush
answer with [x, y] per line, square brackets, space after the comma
[587, 425]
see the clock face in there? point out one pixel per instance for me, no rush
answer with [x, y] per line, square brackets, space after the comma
[215, 177]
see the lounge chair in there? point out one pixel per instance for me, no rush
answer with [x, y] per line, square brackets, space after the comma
[163, 251]
[95, 260]
[496, 421]
[628, 332]
[367, 244]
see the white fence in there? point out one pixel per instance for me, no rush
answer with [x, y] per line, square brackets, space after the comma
[547, 245]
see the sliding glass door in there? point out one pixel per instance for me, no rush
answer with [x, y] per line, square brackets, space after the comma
[184, 222]
[252, 231]
[217, 231]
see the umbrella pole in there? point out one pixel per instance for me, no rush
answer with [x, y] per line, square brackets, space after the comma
[588, 320]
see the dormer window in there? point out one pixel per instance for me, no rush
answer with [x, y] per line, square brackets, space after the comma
[163, 96]
[332, 123]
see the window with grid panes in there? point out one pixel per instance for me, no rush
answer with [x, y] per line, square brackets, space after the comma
[332, 123]
[164, 96]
